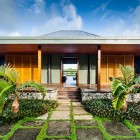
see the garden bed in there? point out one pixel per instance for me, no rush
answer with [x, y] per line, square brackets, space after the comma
[104, 108]
[28, 108]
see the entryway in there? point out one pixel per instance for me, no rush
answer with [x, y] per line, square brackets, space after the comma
[69, 71]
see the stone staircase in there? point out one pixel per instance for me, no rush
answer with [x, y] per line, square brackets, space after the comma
[66, 94]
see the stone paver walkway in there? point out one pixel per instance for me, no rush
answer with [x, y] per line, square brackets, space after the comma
[70, 121]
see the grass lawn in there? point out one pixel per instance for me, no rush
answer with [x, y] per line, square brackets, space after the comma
[78, 125]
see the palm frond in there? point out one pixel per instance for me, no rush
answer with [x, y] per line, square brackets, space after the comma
[9, 73]
[118, 102]
[2, 71]
[128, 73]
[5, 89]
[35, 85]
[117, 87]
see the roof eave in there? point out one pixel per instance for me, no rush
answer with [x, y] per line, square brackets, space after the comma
[95, 40]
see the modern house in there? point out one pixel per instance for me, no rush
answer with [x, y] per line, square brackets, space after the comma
[42, 58]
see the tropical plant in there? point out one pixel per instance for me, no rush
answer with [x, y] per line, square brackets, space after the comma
[103, 108]
[122, 86]
[9, 85]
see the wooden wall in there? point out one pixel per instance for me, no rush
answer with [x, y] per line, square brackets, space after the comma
[110, 66]
[26, 65]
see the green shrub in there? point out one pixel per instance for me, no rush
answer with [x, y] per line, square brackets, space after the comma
[104, 108]
[28, 108]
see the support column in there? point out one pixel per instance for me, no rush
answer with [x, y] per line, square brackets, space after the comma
[50, 73]
[89, 69]
[39, 63]
[99, 70]
[48, 70]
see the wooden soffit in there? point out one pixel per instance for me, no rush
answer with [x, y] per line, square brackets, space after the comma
[71, 48]
[18, 48]
[120, 49]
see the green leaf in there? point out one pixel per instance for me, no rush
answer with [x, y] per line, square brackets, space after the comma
[118, 102]
[117, 87]
[9, 74]
[128, 73]
[5, 89]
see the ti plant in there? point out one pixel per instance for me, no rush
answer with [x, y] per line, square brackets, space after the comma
[122, 86]
[9, 85]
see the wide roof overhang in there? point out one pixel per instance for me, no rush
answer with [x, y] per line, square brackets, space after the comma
[46, 40]
[109, 45]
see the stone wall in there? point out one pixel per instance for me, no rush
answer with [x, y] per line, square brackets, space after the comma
[135, 97]
[50, 95]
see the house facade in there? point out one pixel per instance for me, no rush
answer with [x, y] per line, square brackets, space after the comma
[42, 58]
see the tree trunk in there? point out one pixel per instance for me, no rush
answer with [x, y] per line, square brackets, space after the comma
[124, 108]
[15, 105]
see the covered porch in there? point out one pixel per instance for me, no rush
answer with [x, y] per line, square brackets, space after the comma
[34, 58]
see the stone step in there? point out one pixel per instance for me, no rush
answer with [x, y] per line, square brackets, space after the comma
[64, 97]
[68, 100]
[76, 90]
[69, 95]
[68, 92]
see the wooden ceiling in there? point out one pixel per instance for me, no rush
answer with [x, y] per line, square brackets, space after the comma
[120, 49]
[81, 49]
[84, 49]
[28, 48]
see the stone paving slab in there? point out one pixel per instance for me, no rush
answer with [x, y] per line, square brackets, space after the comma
[136, 123]
[34, 124]
[25, 134]
[117, 128]
[89, 134]
[83, 117]
[59, 128]
[55, 139]
[59, 124]
[43, 117]
[79, 110]
[4, 129]
[125, 139]
[86, 123]
[77, 104]
[63, 107]
[60, 115]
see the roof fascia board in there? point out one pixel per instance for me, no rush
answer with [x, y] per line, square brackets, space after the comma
[43, 40]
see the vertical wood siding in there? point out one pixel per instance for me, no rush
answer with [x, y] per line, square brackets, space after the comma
[26, 65]
[110, 66]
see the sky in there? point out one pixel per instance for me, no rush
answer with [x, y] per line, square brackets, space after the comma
[39, 17]
[67, 66]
